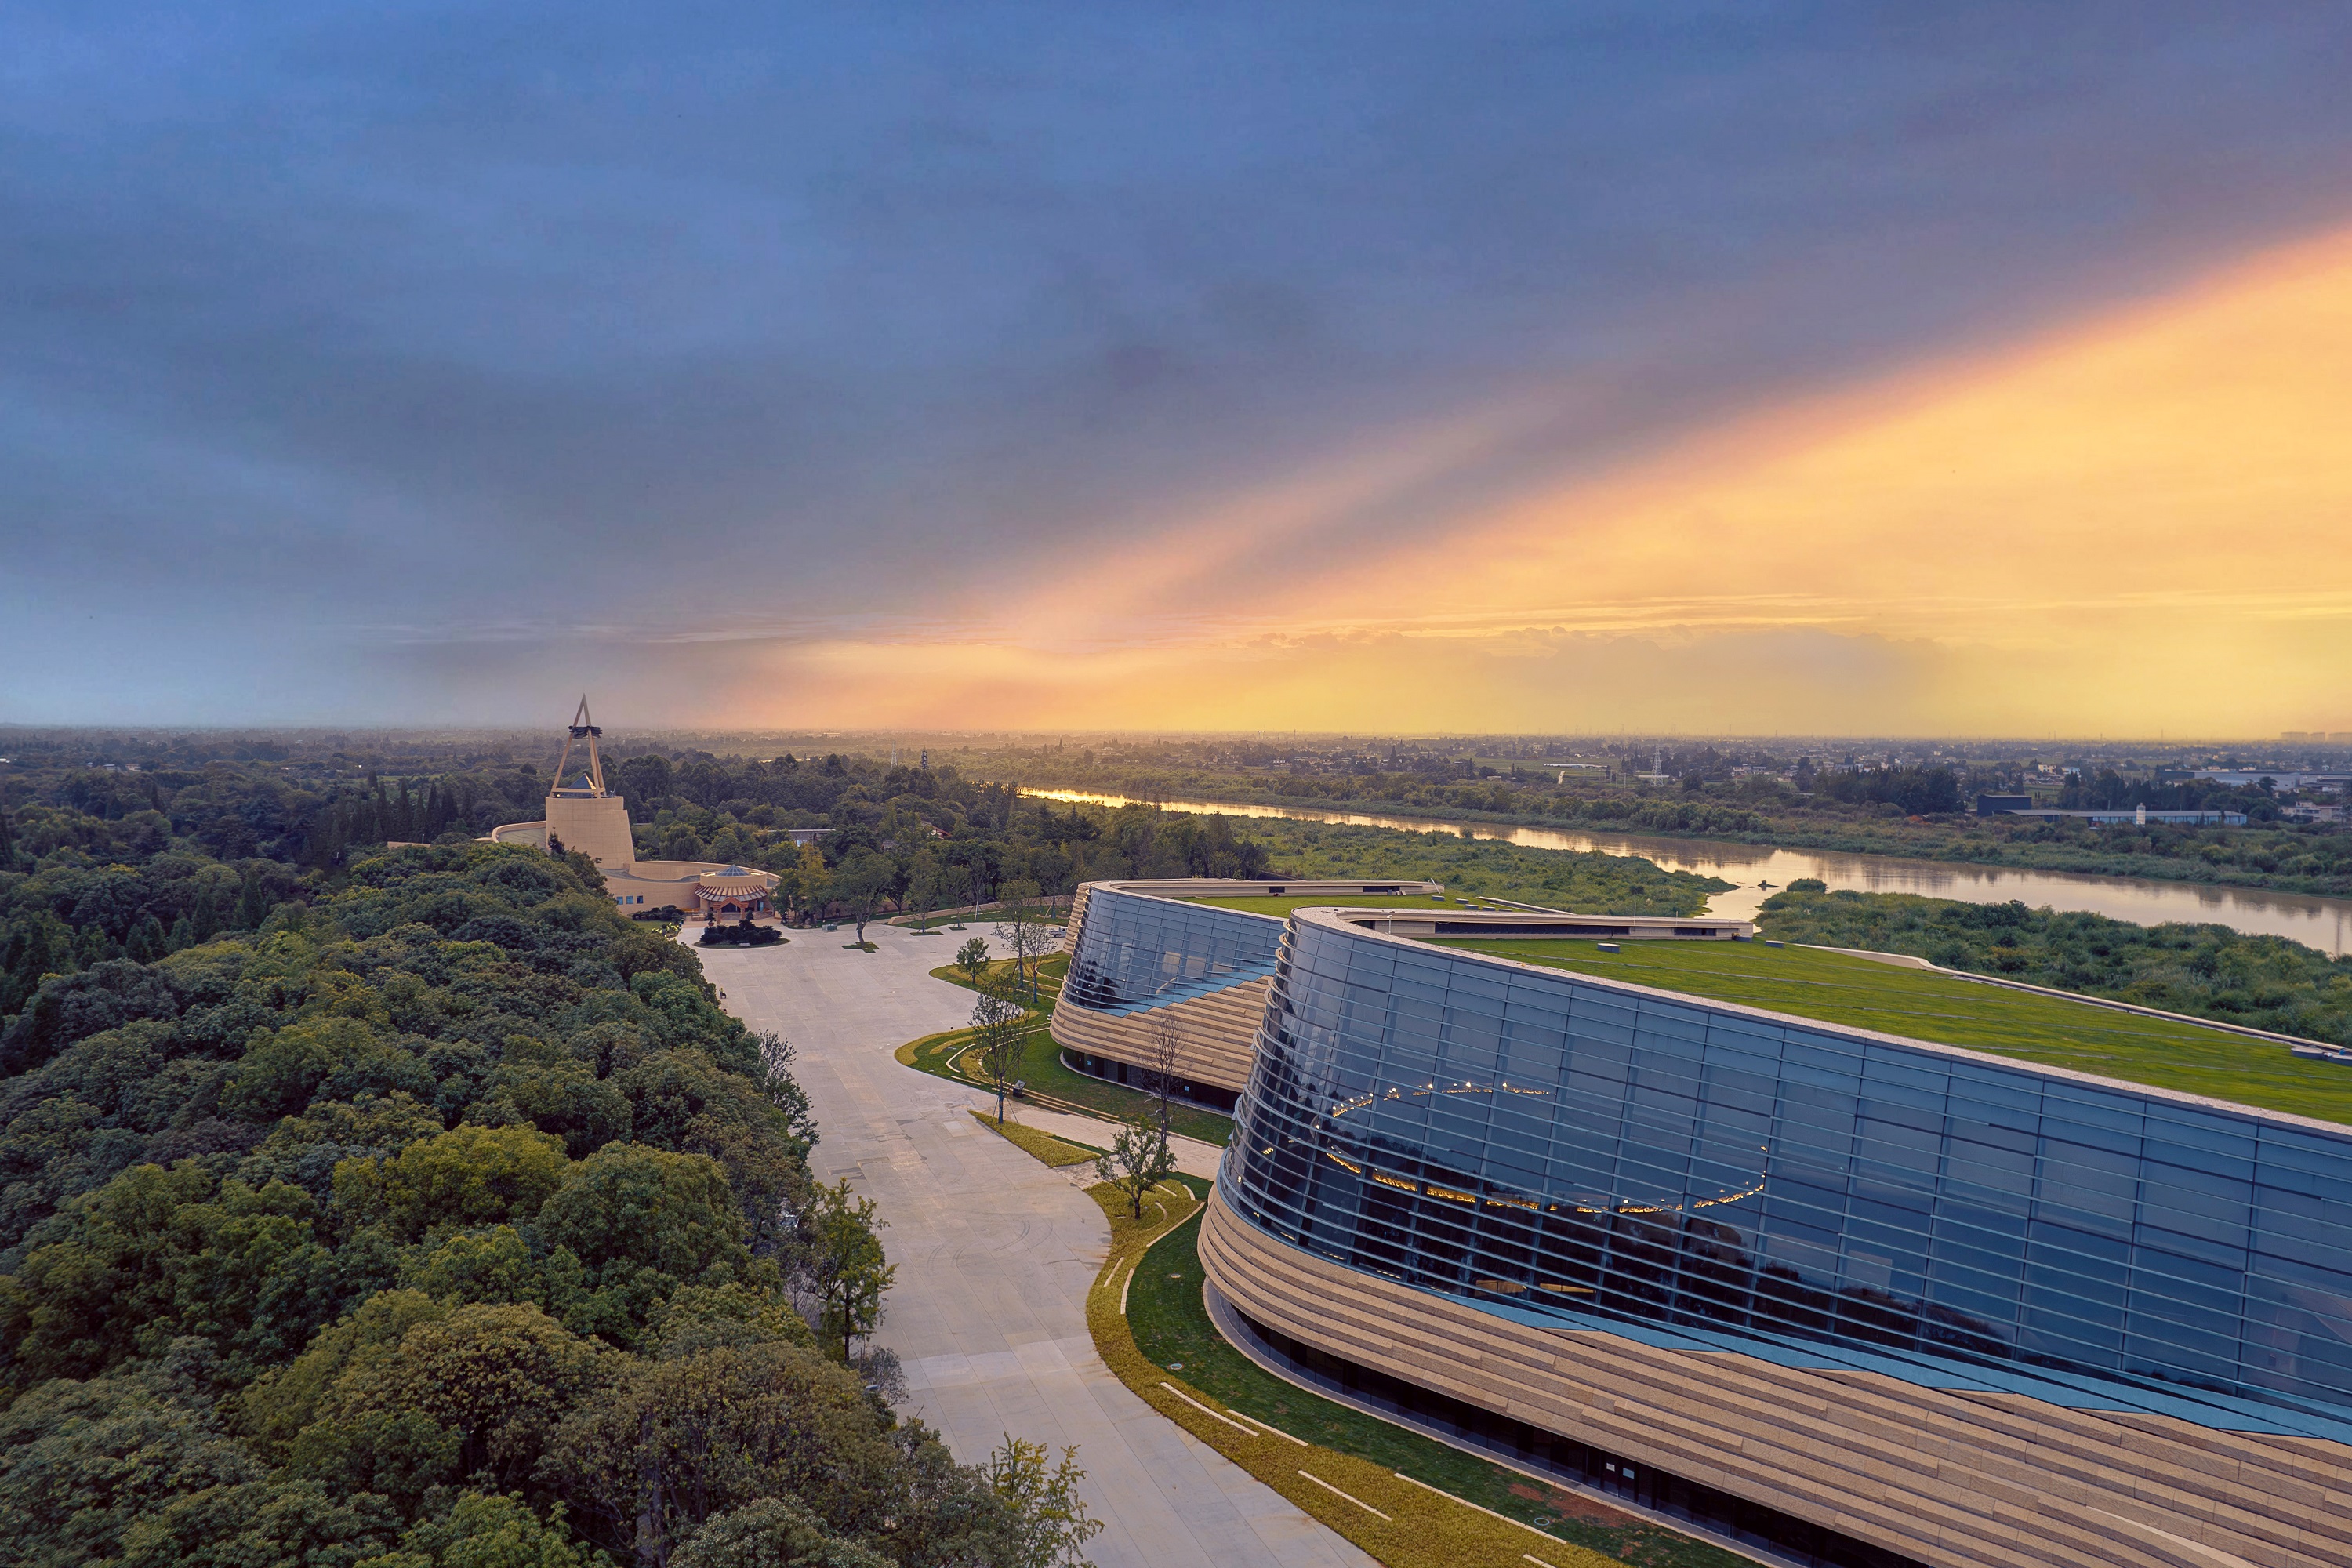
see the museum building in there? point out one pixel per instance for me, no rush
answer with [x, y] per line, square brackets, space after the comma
[1837, 1296]
[582, 813]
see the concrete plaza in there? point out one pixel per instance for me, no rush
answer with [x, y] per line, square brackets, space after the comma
[994, 1253]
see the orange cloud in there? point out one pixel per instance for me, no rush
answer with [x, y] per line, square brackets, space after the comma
[2142, 523]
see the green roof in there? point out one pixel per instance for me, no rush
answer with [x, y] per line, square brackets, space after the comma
[1923, 1005]
[1259, 904]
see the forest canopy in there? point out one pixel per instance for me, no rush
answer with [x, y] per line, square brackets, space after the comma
[417, 1210]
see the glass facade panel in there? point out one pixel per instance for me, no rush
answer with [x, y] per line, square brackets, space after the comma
[1547, 1145]
[1136, 952]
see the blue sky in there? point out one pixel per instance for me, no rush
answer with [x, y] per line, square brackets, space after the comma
[417, 362]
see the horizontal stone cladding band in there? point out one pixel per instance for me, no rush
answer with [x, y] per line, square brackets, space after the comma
[1955, 1478]
[1214, 1033]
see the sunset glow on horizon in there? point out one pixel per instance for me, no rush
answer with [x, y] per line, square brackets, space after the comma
[1368, 368]
[2140, 523]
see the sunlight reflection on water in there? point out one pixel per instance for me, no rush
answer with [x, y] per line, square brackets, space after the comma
[2322, 923]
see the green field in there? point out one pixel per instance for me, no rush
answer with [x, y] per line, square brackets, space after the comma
[1926, 1005]
[1051, 1084]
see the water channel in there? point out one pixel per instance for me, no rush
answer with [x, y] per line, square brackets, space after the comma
[2322, 923]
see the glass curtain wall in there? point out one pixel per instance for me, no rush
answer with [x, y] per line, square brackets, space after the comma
[1539, 1143]
[1137, 952]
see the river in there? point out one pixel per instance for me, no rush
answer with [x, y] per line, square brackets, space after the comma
[2322, 923]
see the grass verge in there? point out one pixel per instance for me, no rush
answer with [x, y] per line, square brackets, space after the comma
[1043, 1146]
[1370, 1481]
[1051, 1084]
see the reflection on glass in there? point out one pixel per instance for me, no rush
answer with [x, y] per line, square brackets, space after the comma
[1137, 952]
[1545, 1144]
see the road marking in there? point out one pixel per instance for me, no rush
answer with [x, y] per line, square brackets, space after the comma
[1205, 1410]
[1275, 1430]
[1335, 1491]
[1466, 1503]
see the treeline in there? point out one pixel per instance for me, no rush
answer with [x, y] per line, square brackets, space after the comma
[437, 1216]
[2208, 971]
[1922, 812]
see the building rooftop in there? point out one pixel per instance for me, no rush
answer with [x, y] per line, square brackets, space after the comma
[1947, 1009]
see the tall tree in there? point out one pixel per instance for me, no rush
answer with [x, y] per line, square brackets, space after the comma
[1021, 926]
[928, 884]
[1139, 1159]
[1000, 1025]
[845, 1264]
[1163, 1050]
[863, 883]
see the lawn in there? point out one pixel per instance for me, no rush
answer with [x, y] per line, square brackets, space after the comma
[1050, 1083]
[1171, 1327]
[1926, 1005]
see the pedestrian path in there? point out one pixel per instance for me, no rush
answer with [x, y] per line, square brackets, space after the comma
[995, 1254]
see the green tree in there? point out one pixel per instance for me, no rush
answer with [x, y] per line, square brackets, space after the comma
[863, 882]
[973, 959]
[283, 1070]
[774, 1532]
[640, 1222]
[1139, 1159]
[272, 1522]
[1046, 1500]
[81, 1462]
[252, 903]
[1000, 1027]
[930, 883]
[466, 1176]
[678, 1442]
[500, 1377]
[841, 1260]
[486, 1530]
[1021, 926]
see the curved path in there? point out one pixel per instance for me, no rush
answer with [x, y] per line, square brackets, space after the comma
[994, 1253]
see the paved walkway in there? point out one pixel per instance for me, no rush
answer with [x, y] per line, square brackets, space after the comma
[994, 1253]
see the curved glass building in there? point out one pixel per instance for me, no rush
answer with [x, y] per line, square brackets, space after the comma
[1854, 1297]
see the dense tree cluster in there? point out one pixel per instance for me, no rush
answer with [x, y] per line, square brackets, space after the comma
[2208, 971]
[430, 1215]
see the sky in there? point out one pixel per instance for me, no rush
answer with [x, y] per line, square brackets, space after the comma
[1728, 368]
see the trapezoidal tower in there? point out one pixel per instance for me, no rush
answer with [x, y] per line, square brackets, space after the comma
[581, 813]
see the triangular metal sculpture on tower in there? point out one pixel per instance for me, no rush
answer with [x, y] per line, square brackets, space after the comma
[592, 783]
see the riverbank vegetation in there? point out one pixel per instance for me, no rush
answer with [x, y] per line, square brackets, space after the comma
[427, 1212]
[1919, 812]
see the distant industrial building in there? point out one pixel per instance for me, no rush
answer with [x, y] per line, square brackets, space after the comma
[2237, 778]
[2130, 816]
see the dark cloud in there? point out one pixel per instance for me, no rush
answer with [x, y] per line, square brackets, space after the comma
[321, 320]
